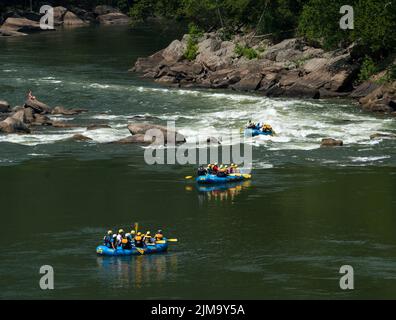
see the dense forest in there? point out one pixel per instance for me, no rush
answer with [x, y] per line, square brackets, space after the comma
[316, 20]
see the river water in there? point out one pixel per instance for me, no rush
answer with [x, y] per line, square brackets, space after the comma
[307, 212]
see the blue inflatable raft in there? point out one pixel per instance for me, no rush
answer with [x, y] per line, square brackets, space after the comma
[213, 179]
[149, 249]
[257, 132]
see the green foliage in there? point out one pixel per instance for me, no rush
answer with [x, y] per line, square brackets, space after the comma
[368, 69]
[319, 22]
[192, 49]
[374, 27]
[192, 43]
[247, 52]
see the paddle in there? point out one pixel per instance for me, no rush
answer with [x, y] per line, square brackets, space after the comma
[141, 251]
[165, 241]
[136, 227]
[188, 177]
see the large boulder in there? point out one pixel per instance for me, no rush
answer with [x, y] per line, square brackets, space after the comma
[14, 124]
[331, 143]
[37, 106]
[59, 13]
[19, 26]
[214, 54]
[115, 18]
[175, 51]
[70, 19]
[4, 106]
[155, 131]
[249, 83]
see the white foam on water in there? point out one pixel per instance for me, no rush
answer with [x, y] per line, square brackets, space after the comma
[368, 159]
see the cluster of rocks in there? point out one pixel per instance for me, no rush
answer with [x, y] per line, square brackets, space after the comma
[290, 68]
[22, 119]
[19, 23]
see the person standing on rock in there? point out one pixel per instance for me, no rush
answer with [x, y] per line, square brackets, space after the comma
[30, 96]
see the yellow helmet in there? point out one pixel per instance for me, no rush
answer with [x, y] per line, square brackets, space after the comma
[148, 233]
[121, 231]
[109, 232]
[133, 232]
[139, 234]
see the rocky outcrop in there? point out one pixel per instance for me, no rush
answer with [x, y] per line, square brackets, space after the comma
[115, 18]
[290, 68]
[382, 99]
[19, 27]
[331, 143]
[156, 132]
[70, 19]
[37, 106]
[14, 124]
[4, 106]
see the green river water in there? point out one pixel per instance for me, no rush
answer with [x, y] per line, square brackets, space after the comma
[307, 211]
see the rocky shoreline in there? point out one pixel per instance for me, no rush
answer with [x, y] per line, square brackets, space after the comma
[290, 68]
[20, 23]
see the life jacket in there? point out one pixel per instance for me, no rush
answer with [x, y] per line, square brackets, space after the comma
[124, 241]
[215, 169]
[159, 236]
[138, 238]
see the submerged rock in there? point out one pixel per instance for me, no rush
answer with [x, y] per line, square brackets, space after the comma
[98, 126]
[80, 137]
[67, 112]
[135, 139]
[156, 131]
[382, 136]
[332, 143]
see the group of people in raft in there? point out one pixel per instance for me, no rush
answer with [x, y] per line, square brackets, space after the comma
[127, 241]
[266, 128]
[218, 170]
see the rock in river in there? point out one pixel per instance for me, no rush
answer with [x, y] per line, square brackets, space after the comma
[332, 143]
[14, 124]
[156, 131]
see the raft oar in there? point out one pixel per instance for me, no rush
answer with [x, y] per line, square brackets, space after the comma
[136, 227]
[188, 177]
[141, 251]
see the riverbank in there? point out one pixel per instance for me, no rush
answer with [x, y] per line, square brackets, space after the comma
[248, 63]
[20, 23]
